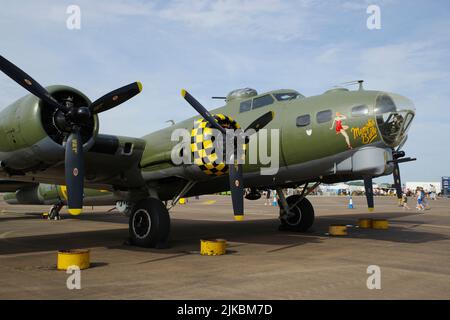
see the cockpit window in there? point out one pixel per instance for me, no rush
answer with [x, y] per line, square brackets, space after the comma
[286, 96]
[359, 111]
[408, 120]
[384, 104]
[262, 101]
[245, 106]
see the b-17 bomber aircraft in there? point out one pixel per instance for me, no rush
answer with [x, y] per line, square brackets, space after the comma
[51, 151]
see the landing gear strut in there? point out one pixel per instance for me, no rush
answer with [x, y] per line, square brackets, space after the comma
[54, 211]
[149, 224]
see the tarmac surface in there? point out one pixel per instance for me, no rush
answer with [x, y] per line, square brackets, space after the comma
[262, 262]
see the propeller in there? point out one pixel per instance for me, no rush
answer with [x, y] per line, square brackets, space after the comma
[397, 180]
[368, 186]
[74, 171]
[399, 157]
[236, 175]
[236, 178]
[69, 119]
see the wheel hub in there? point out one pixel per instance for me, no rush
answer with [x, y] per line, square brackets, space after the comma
[293, 217]
[141, 223]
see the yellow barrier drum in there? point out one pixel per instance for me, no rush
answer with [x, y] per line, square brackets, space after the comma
[382, 224]
[74, 257]
[215, 247]
[337, 230]
[365, 223]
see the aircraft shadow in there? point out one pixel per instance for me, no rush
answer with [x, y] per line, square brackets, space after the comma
[186, 234]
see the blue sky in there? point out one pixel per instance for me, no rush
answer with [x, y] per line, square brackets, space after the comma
[213, 47]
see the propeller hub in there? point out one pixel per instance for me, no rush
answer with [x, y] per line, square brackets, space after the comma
[82, 115]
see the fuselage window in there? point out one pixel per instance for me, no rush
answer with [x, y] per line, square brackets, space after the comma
[262, 101]
[304, 120]
[246, 106]
[324, 116]
[359, 111]
[286, 96]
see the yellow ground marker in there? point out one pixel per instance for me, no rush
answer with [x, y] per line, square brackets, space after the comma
[210, 202]
[74, 257]
[215, 247]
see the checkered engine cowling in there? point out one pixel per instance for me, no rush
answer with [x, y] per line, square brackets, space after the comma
[203, 148]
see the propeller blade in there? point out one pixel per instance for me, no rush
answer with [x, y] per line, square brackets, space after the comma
[202, 111]
[259, 123]
[32, 86]
[397, 180]
[236, 188]
[262, 121]
[368, 185]
[116, 97]
[74, 172]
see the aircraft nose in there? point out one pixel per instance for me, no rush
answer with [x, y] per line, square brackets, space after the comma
[394, 114]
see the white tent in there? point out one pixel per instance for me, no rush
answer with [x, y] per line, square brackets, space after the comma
[425, 185]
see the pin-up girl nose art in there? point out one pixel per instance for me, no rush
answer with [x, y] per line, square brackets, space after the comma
[341, 128]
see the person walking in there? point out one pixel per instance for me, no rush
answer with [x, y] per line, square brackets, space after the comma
[425, 203]
[432, 192]
[419, 205]
[267, 202]
[405, 202]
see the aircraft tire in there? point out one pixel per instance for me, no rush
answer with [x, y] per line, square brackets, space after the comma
[303, 218]
[149, 224]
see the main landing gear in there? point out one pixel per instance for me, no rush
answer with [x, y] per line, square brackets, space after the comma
[149, 224]
[296, 212]
[300, 216]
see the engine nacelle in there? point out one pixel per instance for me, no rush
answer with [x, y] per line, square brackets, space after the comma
[30, 138]
[35, 194]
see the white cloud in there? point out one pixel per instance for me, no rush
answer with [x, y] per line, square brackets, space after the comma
[329, 56]
[269, 19]
[404, 65]
[361, 5]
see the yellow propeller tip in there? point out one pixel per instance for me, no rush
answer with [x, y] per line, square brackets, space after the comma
[139, 84]
[74, 212]
[370, 209]
[183, 92]
[239, 217]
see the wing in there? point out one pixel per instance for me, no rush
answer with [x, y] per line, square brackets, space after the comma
[112, 163]
[12, 186]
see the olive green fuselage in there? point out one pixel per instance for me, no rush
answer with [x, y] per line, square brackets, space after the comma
[314, 151]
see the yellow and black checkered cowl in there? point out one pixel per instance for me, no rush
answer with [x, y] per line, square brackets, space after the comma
[202, 145]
